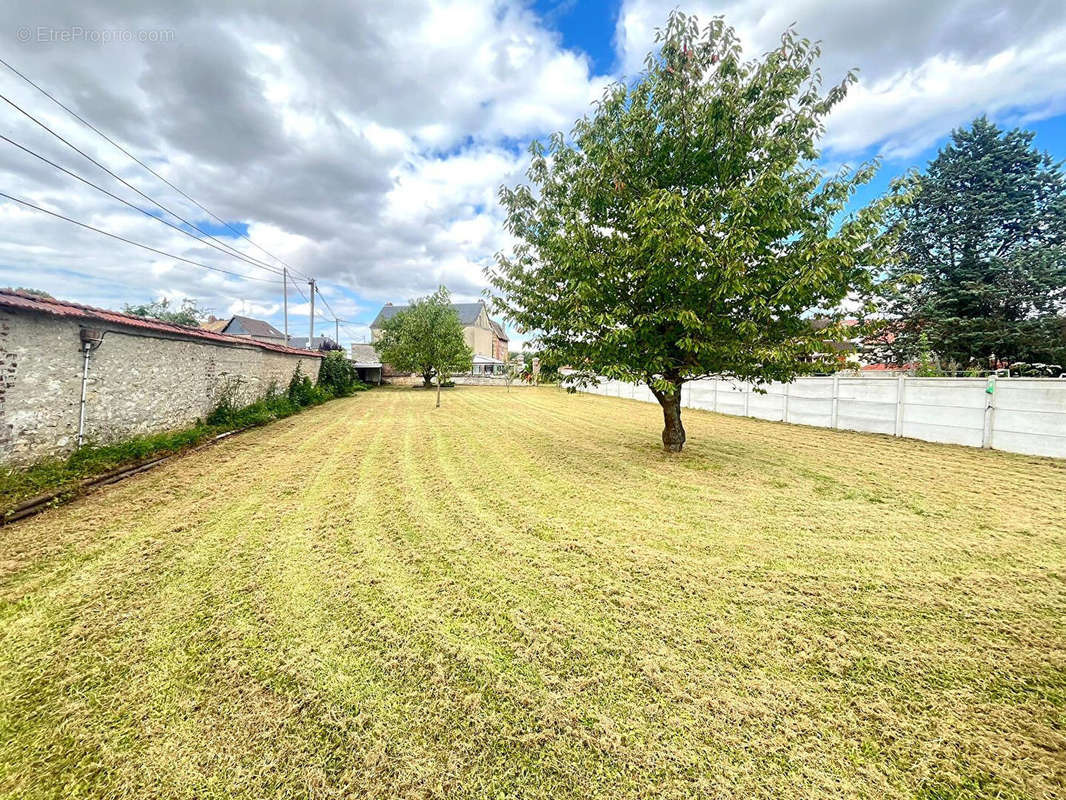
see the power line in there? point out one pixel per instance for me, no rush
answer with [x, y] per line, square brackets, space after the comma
[299, 291]
[219, 245]
[222, 246]
[336, 320]
[325, 302]
[75, 148]
[28, 204]
[125, 202]
[145, 166]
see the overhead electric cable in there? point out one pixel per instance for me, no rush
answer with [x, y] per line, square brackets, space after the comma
[85, 225]
[125, 202]
[111, 141]
[124, 182]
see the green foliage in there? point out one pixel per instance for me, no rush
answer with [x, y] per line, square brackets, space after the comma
[426, 338]
[685, 230]
[548, 368]
[229, 415]
[339, 374]
[928, 364]
[985, 245]
[301, 389]
[188, 313]
[27, 290]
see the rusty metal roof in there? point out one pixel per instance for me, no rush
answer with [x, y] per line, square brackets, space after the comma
[21, 301]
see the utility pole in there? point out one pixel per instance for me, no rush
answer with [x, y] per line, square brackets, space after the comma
[285, 300]
[311, 337]
[337, 327]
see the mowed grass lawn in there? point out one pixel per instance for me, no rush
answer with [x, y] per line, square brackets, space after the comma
[520, 595]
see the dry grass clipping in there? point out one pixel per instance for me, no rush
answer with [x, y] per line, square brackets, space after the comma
[519, 595]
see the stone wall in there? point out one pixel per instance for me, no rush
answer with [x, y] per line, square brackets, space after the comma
[139, 382]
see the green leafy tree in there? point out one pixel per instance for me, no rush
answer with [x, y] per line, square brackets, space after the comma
[188, 313]
[985, 245]
[426, 338]
[683, 230]
[338, 373]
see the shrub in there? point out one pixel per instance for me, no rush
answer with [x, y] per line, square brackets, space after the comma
[339, 374]
[300, 388]
[320, 394]
[226, 406]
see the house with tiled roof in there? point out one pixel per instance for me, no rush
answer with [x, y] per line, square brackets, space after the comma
[247, 327]
[484, 335]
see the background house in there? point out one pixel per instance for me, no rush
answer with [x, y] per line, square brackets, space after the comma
[247, 327]
[484, 335]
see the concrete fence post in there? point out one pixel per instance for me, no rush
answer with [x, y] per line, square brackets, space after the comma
[990, 413]
[900, 399]
[1031, 414]
[835, 405]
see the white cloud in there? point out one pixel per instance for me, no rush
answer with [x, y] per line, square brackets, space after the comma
[924, 67]
[365, 145]
[364, 148]
[909, 111]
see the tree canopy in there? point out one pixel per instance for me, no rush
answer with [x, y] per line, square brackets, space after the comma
[189, 312]
[683, 229]
[426, 338]
[29, 290]
[985, 245]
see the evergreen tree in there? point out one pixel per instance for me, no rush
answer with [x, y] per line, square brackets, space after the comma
[985, 245]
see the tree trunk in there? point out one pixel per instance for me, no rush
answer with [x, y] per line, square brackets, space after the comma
[427, 379]
[438, 390]
[673, 430]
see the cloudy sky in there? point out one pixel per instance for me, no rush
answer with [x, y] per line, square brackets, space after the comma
[363, 143]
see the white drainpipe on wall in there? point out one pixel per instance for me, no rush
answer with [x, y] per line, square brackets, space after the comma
[90, 339]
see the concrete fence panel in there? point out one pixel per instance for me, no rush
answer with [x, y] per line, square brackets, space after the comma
[1020, 415]
[945, 410]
